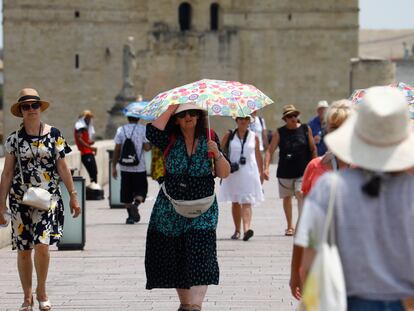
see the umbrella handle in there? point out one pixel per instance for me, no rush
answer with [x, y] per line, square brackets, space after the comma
[210, 153]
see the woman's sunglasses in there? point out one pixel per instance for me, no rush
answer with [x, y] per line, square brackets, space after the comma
[26, 107]
[192, 113]
[240, 118]
[290, 116]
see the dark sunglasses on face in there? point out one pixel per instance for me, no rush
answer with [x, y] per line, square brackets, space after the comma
[192, 113]
[26, 107]
[290, 116]
[245, 118]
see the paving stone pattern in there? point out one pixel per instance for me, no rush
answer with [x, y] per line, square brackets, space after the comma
[109, 274]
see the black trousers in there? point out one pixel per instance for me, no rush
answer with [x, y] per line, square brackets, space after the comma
[89, 162]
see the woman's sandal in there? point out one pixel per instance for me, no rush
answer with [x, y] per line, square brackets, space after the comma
[45, 305]
[195, 308]
[289, 232]
[248, 234]
[25, 307]
[236, 235]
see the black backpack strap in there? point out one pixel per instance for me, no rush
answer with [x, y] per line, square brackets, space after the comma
[261, 122]
[232, 133]
[132, 133]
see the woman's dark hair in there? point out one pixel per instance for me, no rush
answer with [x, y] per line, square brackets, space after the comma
[200, 128]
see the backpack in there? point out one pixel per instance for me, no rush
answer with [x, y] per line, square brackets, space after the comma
[129, 155]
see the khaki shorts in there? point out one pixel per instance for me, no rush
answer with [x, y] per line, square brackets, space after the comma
[289, 186]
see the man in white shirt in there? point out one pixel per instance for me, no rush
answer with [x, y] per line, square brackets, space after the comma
[134, 184]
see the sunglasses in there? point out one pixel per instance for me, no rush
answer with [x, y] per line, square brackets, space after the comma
[290, 116]
[191, 112]
[34, 106]
[240, 118]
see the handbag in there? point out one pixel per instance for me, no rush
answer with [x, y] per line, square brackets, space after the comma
[324, 288]
[34, 196]
[190, 208]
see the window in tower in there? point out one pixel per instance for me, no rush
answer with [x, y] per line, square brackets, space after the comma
[214, 16]
[184, 16]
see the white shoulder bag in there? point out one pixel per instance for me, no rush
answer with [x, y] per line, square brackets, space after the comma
[324, 288]
[34, 196]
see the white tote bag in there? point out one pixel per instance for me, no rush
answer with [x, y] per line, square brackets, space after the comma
[324, 288]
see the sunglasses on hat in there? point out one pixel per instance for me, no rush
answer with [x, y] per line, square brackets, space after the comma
[27, 106]
[191, 112]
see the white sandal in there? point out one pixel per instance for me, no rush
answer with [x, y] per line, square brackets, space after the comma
[45, 305]
[25, 307]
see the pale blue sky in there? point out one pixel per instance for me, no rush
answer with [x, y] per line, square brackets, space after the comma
[374, 14]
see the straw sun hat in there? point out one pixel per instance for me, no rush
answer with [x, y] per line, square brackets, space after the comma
[288, 110]
[27, 95]
[378, 136]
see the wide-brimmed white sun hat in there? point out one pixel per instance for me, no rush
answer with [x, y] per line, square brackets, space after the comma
[188, 106]
[378, 136]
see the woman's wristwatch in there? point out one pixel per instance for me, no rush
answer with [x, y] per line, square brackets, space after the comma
[73, 192]
[219, 157]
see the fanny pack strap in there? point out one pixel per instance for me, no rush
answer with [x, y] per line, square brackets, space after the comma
[165, 192]
[173, 200]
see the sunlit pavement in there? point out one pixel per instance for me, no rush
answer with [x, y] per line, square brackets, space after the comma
[109, 274]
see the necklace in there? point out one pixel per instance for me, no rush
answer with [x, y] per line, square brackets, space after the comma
[37, 145]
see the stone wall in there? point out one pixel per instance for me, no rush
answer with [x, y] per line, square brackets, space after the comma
[369, 72]
[294, 51]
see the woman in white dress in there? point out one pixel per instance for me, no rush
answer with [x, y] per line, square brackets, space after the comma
[243, 186]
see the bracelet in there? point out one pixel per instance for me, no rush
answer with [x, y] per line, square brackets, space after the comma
[219, 157]
[73, 192]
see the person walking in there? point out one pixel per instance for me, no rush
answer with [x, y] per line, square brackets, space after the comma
[84, 132]
[297, 148]
[243, 187]
[181, 242]
[258, 126]
[130, 144]
[336, 114]
[373, 204]
[317, 124]
[40, 149]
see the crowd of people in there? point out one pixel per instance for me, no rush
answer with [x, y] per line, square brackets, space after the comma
[373, 209]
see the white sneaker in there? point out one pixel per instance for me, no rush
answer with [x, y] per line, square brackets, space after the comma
[94, 186]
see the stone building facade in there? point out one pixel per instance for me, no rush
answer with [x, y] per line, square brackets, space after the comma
[71, 50]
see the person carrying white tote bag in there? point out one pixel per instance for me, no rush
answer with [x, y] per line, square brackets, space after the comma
[324, 288]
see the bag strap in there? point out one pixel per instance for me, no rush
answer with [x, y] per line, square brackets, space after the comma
[132, 133]
[227, 146]
[18, 157]
[329, 226]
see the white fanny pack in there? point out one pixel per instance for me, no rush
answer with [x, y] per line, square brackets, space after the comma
[190, 208]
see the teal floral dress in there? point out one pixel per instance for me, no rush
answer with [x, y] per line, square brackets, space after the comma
[181, 252]
[31, 226]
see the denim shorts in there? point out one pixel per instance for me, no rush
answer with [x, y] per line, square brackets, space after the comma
[359, 304]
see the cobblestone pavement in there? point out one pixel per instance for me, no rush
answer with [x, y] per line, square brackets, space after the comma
[109, 274]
